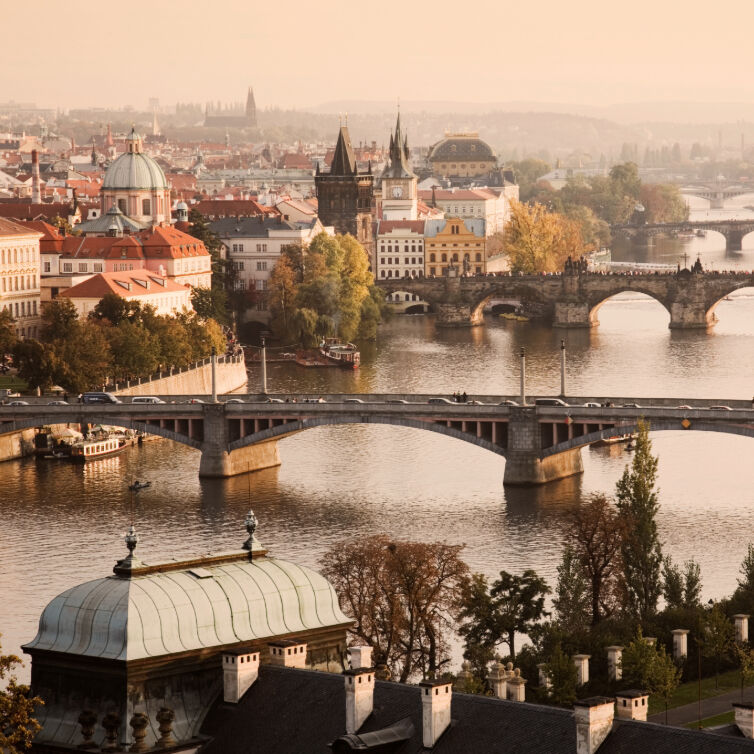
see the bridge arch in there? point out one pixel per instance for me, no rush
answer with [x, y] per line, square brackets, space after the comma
[108, 420]
[656, 425]
[285, 430]
[595, 302]
[713, 303]
[510, 289]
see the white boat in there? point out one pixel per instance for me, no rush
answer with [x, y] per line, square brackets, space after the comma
[90, 450]
[345, 355]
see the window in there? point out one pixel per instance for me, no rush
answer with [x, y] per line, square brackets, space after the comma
[238, 266]
[382, 273]
[235, 247]
[46, 267]
[382, 260]
[478, 258]
[405, 260]
[478, 270]
[444, 258]
[82, 266]
[146, 206]
[261, 266]
[261, 247]
[240, 247]
[432, 258]
[67, 267]
[97, 267]
[122, 206]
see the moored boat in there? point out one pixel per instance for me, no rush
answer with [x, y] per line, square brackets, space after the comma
[90, 450]
[343, 354]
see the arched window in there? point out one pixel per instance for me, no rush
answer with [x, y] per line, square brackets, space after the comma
[146, 207]
[444, 257]
[431, 257]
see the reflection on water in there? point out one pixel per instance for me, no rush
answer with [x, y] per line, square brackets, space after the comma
[63, 524]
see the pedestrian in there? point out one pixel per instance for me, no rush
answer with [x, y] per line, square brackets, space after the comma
[65, 397]
[464, 397]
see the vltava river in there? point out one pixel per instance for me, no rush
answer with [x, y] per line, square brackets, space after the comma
[63, 524]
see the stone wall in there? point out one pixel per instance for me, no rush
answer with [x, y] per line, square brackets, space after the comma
[17, 444]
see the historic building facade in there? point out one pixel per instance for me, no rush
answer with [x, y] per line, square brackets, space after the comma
[461, 155]
[344, 195]
[19, 276]
[398, 181]
[457, 244]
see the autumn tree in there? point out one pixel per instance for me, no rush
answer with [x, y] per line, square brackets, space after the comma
[595, 533]
[572, 594]
[281, 296]
[513, 604]
[402, 596]
[663, 203]
[537, 240]
[18, 725]
[638, 505]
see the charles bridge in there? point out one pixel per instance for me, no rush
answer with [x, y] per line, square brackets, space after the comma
[539, 443]
[573, 299]
[733, 230]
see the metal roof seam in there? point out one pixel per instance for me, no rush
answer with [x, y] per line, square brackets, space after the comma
[133, 606]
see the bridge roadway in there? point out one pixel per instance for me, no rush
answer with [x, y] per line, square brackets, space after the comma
[574, 299]
[540, 443]
[733, 230]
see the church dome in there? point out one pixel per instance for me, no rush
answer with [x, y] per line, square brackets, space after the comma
[456, 147]
[134, 169]
[202, 604]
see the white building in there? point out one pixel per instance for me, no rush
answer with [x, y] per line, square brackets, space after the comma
[19, 276]
[399, 249]
[489, 204]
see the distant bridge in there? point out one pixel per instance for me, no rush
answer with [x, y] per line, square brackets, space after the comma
[573, 300]
[716, 192]
[733, 230]
[540, 443]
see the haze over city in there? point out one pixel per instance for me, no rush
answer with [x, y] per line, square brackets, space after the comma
[585, 53]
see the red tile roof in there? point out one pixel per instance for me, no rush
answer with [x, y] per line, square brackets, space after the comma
[125, 284]
[51, 241]
[29, 211]
[415, 226]
[233, 208]
[9, 228]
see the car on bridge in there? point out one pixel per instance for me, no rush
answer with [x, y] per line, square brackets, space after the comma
[592, 404]
[720, 408]
[353, 400]
[146, 399]
[507, 403]
[437, 400]
[18, 403]
[549, 402]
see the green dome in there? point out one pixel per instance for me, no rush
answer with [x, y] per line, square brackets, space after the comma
[134, 170]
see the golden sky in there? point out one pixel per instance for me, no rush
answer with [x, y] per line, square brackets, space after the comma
[301, 54]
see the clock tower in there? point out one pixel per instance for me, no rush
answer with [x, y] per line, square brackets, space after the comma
[398, 180]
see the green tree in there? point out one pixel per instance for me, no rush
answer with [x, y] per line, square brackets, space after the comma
[640, 547]
[665, 677]
[8, 337]
[638, 663]
[18, 725]
[717, 636]
[572, 596]
[561, 672]
[281, 296]
[513, 605]
[58, 320]
[36, 363]
[85, 357]
[681, 589]
[224, 274]
[745, 656]
[210, 303]
[135, 350]
[115, 309]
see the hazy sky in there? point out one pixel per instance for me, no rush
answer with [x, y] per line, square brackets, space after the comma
[300, 54]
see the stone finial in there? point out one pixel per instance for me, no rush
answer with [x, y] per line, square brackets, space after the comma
[138, 724]
[498, 678]
[251, 526]
[111, 724]
[87, 721]
[582, 669]
[464, 676]
[516, 686]
[165, 718]
[130, 561]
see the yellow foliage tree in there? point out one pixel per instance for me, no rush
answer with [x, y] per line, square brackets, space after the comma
[537, 240]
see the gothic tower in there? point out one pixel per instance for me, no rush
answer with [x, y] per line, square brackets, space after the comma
[251, 109]
[399, 182]
[344, 195]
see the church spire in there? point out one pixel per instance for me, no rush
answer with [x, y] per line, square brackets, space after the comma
[344, 161]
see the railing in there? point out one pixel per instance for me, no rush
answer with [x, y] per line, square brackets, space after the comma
[113, 387]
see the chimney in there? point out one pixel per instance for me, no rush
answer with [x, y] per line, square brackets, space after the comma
[744, 712]
[360, 657]
[680, 643]
[614, 658]
[288, 653]
[498, 679]
[516, 686]
[436, 696]
[582, 669]
[594, 719]
[240, 670]
[632, 705]
[742, 627]
[36, 196]
[359, 697]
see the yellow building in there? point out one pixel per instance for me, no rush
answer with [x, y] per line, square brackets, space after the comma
[457, 242]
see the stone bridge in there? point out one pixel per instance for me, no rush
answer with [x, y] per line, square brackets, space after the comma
[540, 443]
[573, 300]
[718, 191]
[733, 230]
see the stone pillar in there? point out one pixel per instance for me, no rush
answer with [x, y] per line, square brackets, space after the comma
[614, 657]
[544, 678]
[680, 643]
[524, 464]
[87, 721]
[573, 314]
[734, 240]
[111, 723]
[517, 687]
[165, 718]
[498, 679]
[458, 315]
[582, 669]
[139, 723]
[741, 621]
[218, 461]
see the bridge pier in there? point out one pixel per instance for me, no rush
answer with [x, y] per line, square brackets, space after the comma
[218, 461]
[524, 464]
[458, 315]
[572, 314]
[690, 315]
[734, 240]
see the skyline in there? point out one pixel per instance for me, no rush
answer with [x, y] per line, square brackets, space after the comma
[588, 57]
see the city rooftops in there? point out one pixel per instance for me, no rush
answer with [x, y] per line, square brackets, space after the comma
[256, 227]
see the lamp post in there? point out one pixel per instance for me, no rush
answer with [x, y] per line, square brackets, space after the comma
[264, 367]
[213, 359]
[562, 368]
[522, 354]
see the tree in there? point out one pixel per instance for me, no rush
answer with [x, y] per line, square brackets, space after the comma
[210, 303]
[717, 636]
[638, 662]
[596, 532]
[281, 295]
[640, 547]
[666, 676]
[18, 726]
[115, 309]
[513, 605]
[8, 337]
[36, 363]
[224, 274]
[135, 350]
[537, 240]
[571, 600]
[401, 596]
[746, 582]
[58, 319]
[561, 672]
[85, 357]
[681, 589]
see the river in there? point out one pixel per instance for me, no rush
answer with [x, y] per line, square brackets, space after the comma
[63, 524]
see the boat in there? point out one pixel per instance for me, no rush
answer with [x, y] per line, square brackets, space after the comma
[700, 233]
[137, 485]
[628, 437]
[91, 450]
[514, 317]
[345, 355]
[56, 455]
